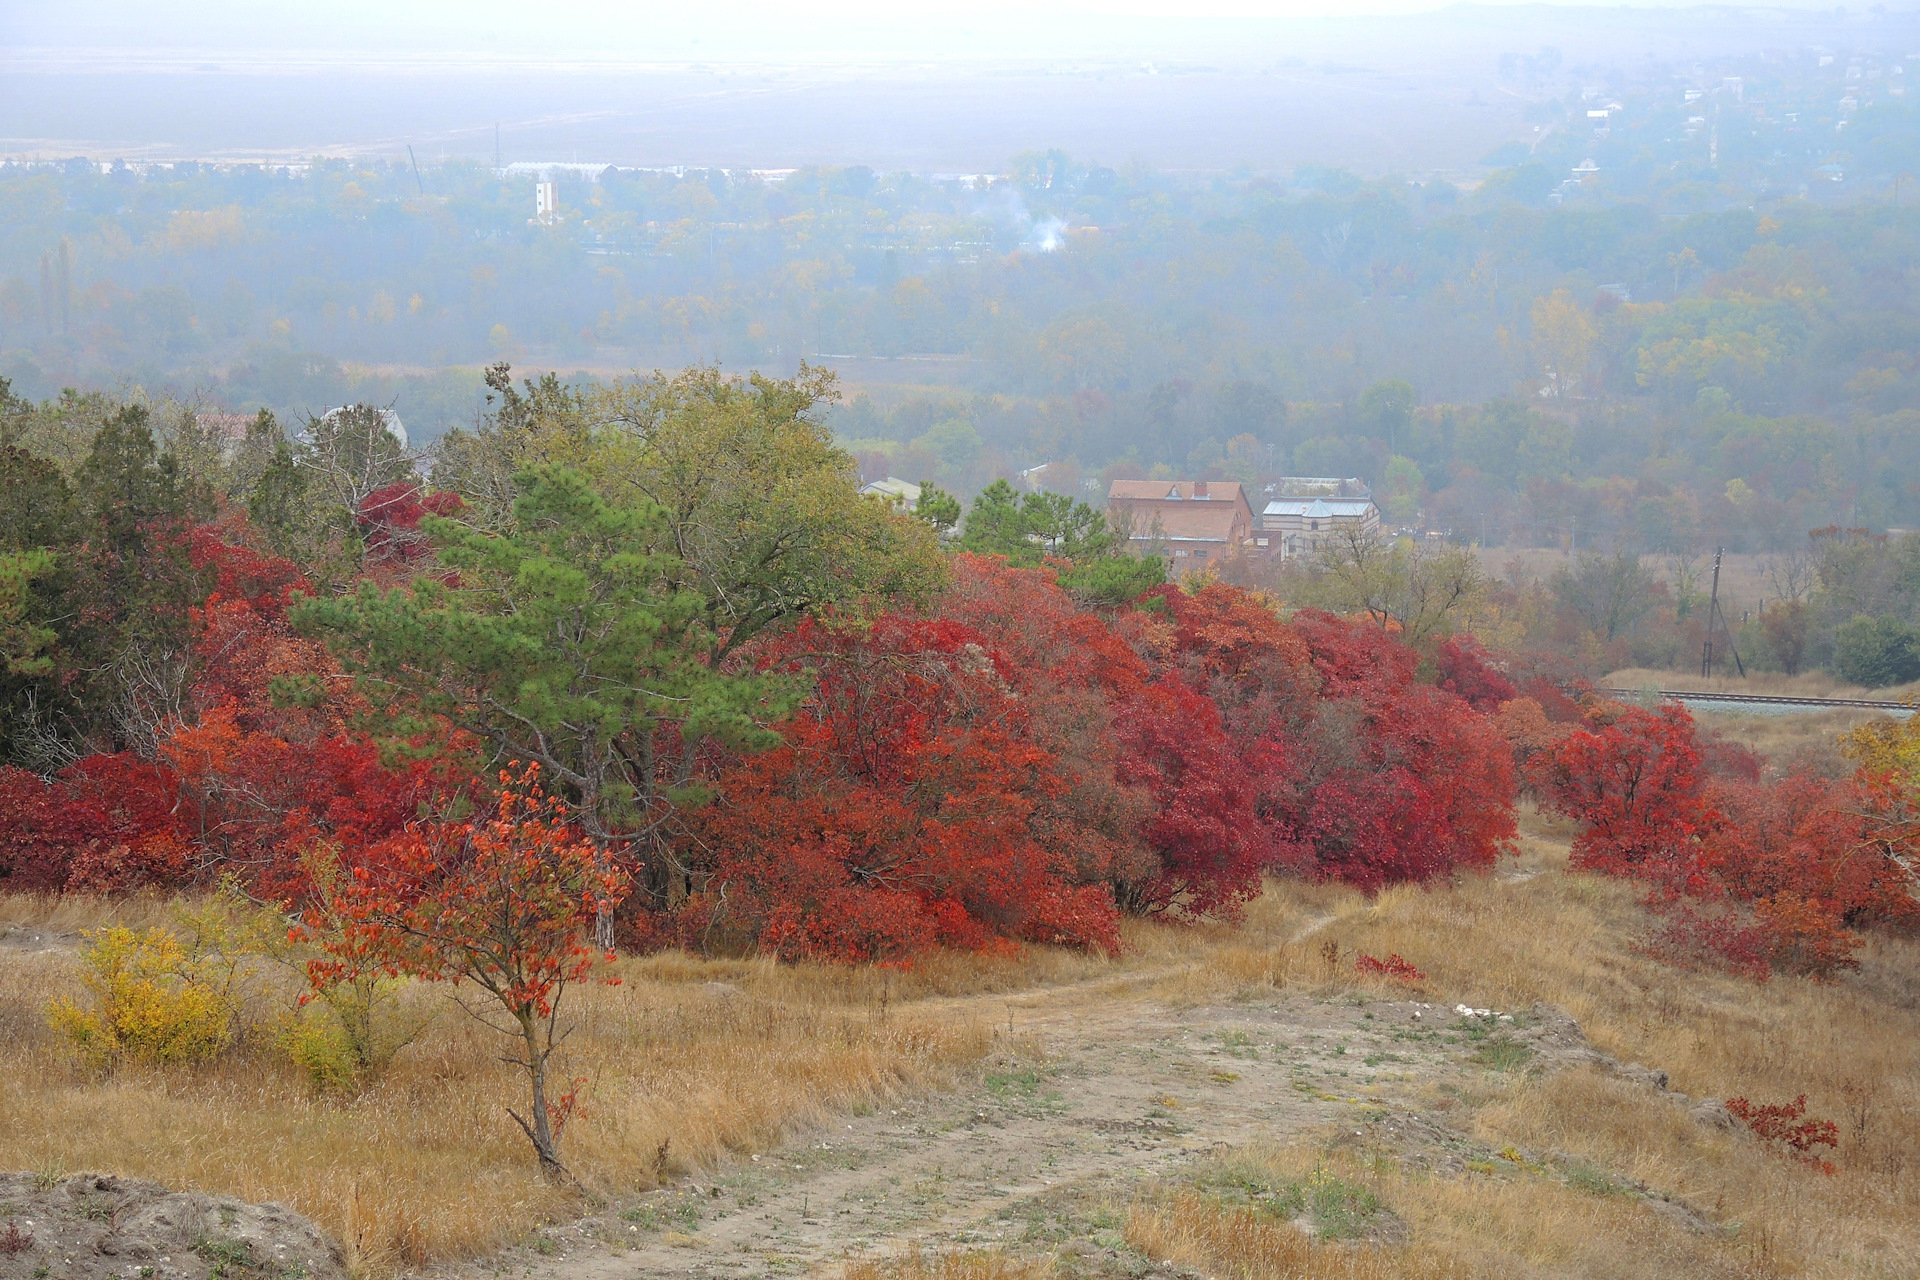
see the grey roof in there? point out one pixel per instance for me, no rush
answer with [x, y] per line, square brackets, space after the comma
[1319, 508]
[893, 487]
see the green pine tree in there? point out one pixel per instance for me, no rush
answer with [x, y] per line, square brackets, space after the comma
[571, 641]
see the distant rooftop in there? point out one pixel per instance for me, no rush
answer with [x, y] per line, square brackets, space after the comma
[1175, 491]
[902, 491]
[1319, 487]
[1318, 508]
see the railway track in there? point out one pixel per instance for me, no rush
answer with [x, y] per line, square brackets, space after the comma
[1763, 699]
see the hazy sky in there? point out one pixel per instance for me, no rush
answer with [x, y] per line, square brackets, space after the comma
[930, 85]
[714, 31]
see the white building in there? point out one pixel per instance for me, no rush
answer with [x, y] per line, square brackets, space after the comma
[546, 203]
[899, 492]
[1299, 526]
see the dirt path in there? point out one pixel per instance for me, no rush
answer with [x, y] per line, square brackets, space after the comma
[1092, 1093]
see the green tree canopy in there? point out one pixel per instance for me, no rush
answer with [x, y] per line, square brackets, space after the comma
[938, 508]
[575, 640]
[763, 514]
[1028, 528]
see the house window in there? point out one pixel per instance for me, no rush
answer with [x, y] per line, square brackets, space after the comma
[1316, 526]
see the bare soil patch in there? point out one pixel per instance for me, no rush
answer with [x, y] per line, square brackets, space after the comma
[97, 1227]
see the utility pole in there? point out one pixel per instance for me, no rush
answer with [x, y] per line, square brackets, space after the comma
[1714, 616]
[1713, 606]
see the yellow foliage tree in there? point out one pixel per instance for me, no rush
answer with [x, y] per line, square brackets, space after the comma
[1563, 337]
[1887, 746]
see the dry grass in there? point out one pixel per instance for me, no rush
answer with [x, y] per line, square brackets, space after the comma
[74, 913]
[719, 1056]
[1539, 935]
[686, 1060]
[707, 1057]
[1241, 1244]
[1790, 742]
[425, 1164]
[1479, 1225]
[1808, 684]
[984, 1264]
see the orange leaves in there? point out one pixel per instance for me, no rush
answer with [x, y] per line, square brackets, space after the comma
[1524, 724]
[261, 766]
[275, 679]
[238, 573]
[1392, 967]
[501, 902]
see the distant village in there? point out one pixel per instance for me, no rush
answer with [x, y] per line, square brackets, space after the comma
[1198, 524]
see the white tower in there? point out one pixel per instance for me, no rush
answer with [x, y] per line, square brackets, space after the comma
[546, 203]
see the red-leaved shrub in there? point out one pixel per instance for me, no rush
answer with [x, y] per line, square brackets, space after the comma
[1782, 1125]
[896, 813]
[1632, 782]
[1392, 967]
[1793, 862]
[1467, 671]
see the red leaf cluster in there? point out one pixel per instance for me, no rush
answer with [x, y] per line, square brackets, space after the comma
[1632, 781]
[1788, 863]
[1017, 767]
[501, 902]
[1392, 967]
[1782, 1125]
[1468, 671]
[897, 814]
[389, 521]
[255, 764]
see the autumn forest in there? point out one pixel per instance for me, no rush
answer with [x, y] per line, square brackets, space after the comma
[598, 719]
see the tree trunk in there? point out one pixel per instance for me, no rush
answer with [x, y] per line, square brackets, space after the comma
[540, 1131]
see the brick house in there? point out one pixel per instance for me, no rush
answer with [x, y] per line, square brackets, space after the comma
[1197, 524]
